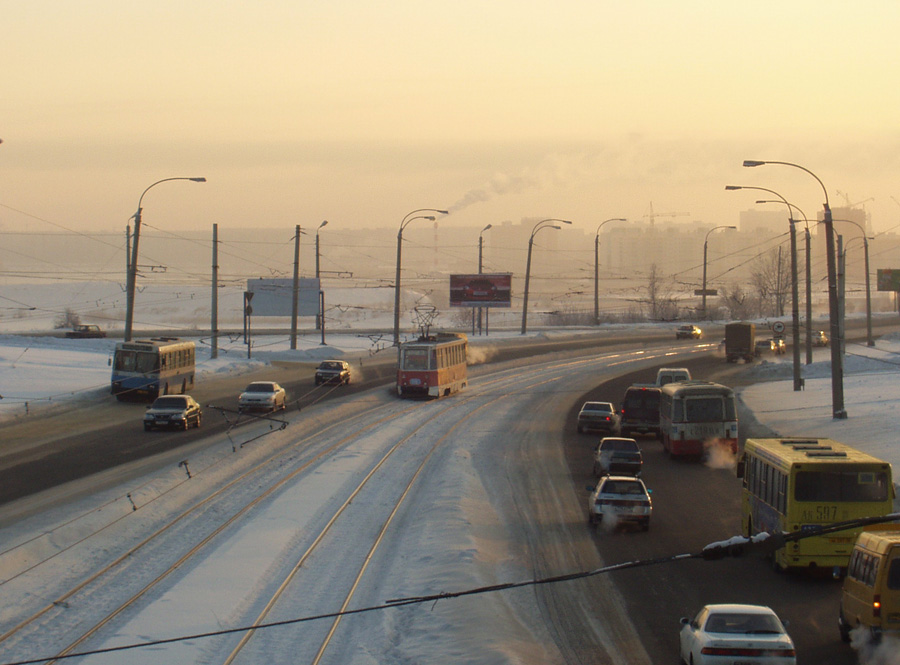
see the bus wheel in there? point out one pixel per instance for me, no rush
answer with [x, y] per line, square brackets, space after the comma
[775, 565]
[184, 386]
[843, 627]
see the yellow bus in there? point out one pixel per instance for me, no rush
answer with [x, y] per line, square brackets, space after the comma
[792, 484]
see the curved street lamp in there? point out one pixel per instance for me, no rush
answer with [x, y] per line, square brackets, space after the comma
[806, 221]
[837, 362]
[131, 278]
[480, 255]
[543, 224]
[705, 245]
[321, 314]
[597, 267]
[403, 224]
[795, 294]
[870, 341]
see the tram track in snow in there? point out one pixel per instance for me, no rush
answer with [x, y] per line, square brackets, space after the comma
[308, 454]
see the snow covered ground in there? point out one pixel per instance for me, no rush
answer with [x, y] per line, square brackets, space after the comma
[871, 398]
[40, 372]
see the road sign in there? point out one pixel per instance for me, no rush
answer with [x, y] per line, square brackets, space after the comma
[778, 327]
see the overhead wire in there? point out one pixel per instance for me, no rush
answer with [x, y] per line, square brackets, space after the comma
[738, 546]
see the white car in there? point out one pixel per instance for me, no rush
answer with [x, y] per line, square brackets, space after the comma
[262, 396]
[730, 634]
[620, 499]
[619, 455]
[599, 417]
[173, 411]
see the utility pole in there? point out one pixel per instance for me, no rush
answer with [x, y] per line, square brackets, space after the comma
[296, 289]
[214, 316]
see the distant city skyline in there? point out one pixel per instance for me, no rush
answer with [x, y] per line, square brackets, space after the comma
[358, 113]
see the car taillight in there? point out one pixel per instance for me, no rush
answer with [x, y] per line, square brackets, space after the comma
[876, 606]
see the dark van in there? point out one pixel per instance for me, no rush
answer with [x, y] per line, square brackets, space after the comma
[640, 410]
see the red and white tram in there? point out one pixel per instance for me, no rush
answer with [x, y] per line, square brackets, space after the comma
[432, 366]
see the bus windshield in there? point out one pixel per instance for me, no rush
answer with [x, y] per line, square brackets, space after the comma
[415, 359]
[845, 485]
[135, 361]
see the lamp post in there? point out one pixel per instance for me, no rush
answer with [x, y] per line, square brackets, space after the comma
[808, 262]
[795, 294]
[837, 368]
[597, 267]
[543, 224]
[870, 341]
[480, 256]
[321, 314]
[705, 244]
[403, 224]
[131, 277]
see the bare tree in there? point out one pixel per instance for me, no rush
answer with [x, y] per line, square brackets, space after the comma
[738, 303]
[770, 277]
[68, 319]
[662, 304]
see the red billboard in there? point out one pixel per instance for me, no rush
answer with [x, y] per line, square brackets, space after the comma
[485, 290]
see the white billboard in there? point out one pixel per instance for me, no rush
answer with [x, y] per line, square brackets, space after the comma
[272, 297]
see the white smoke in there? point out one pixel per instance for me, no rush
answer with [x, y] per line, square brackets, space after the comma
[479, 355]
[498, 185]
[718, 454]
[873, 650]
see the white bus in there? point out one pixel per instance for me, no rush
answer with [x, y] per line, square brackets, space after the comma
[696, 414]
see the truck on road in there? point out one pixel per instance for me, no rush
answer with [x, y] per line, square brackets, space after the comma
[740, 340]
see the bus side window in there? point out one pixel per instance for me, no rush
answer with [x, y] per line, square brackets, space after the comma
[853, 568]
[893, 576]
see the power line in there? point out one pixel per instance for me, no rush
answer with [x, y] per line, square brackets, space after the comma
[738, 546]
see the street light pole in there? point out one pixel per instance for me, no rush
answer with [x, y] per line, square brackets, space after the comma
[837, 365]
[808, 265]
[705, 243]
[403, 223]
[870, 341]
[597, 267]
[543, 224]
[795, 294]
[321, 314]
[480, 256]
[131, 277]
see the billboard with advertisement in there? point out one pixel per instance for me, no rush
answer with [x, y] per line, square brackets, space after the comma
[484, 290]
[272, 297]
[889, 279]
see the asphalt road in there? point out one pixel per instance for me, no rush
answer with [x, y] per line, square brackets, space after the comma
[694, 505]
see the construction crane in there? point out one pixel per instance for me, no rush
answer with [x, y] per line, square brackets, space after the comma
[652, 215]
[847, 199]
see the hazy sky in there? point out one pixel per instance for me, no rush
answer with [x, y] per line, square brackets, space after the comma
[359, 112]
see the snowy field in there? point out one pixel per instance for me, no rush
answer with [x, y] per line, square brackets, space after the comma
[41, 372]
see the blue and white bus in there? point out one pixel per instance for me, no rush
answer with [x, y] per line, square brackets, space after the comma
[152, 367]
